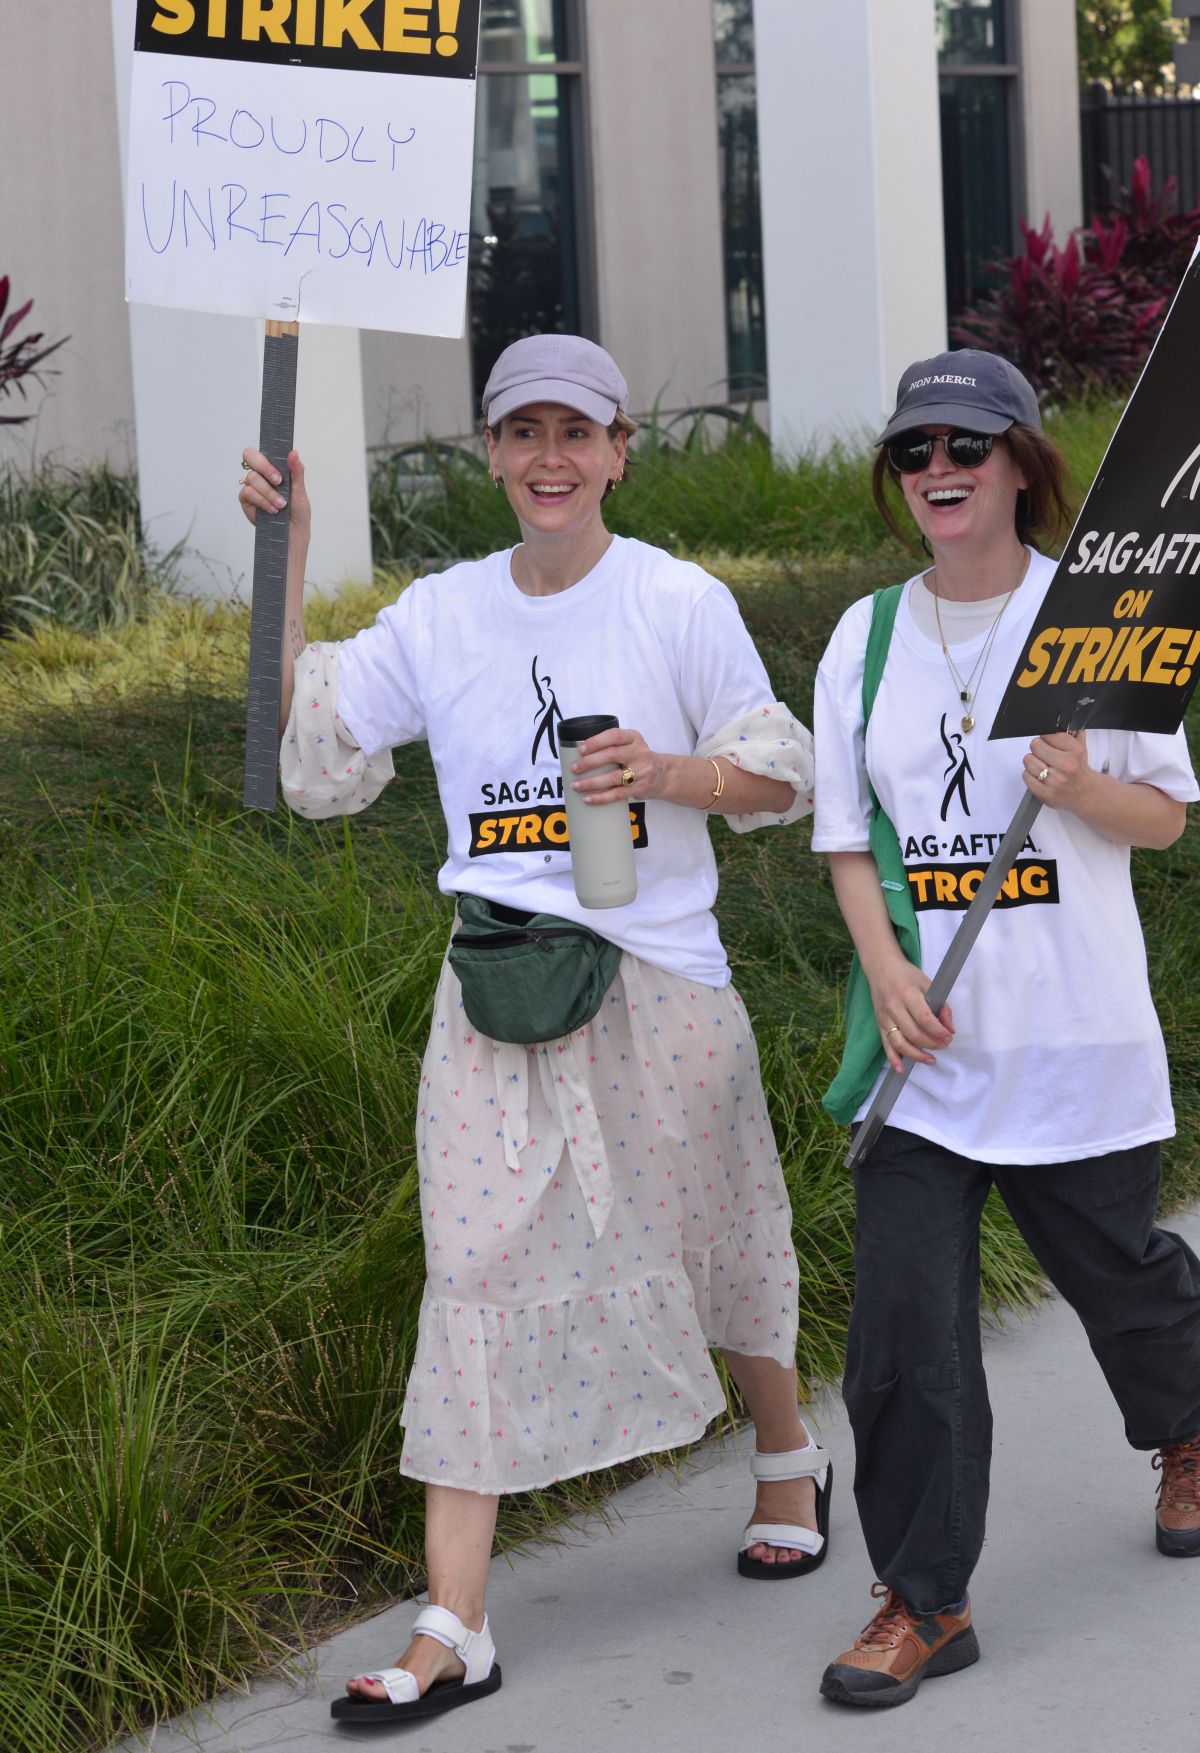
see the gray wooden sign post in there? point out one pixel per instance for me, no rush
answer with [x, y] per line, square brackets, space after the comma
[276, 427]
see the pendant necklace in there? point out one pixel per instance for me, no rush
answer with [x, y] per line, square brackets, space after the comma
[967, 689]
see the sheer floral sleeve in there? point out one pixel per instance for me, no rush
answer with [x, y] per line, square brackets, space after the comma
[322, 770]
[773, 744]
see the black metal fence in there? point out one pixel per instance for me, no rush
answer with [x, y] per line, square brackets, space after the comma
[1115, 130]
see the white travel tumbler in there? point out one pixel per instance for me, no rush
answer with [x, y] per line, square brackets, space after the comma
[601, 833]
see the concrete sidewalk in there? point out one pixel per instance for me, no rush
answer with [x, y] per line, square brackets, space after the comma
[642, 1636]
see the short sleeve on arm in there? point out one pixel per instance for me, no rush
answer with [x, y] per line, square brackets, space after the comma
[379, 695]
[842, 806]
[1143, 758]
[721, 676]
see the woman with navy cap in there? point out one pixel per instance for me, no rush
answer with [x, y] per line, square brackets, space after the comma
[601, 1208]
[1047, 1078]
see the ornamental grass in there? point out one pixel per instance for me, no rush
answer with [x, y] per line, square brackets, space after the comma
[210, 1252]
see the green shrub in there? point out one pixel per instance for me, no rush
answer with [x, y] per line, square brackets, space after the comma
[72, 549]
[720, 496]
[1082, 319]
[22, 357]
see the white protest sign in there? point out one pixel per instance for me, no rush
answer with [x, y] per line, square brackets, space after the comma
[304, 160]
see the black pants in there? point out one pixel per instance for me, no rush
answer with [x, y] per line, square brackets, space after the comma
[914, 1384]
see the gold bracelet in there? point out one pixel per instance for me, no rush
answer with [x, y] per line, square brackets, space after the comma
[719, 789]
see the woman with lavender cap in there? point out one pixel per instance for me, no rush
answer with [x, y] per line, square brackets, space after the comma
[1047, 1079]
[601, 1208]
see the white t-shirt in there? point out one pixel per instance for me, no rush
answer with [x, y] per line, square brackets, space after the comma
[486, 673]
[1057, 1052]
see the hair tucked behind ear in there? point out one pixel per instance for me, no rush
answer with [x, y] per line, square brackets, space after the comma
[1042, 508]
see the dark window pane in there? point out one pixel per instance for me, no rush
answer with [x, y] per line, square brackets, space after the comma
[745, 323]
[972, 31]
[733, 31]
[523, 30]
[523, 262]
[976, 183]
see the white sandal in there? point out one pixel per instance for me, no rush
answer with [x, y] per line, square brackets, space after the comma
[786, 1536]
[405, 1699]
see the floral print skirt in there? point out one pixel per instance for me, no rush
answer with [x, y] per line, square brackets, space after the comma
[598, 1211]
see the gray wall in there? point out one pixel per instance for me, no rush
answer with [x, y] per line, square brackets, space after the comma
[60, 221]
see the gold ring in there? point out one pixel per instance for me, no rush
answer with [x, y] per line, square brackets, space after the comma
[894, 1030]
[627, 776]
[243, 477]
[1043, 775]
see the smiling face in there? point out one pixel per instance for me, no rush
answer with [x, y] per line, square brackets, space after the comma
[959, 508]
[555, 465]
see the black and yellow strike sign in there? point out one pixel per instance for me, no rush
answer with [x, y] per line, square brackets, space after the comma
[1120, 624]
[437, 37]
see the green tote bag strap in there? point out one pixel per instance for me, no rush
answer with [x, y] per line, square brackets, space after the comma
[863, 1055]
[884, 607]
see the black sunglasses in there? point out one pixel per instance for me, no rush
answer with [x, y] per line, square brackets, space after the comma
[911, 451]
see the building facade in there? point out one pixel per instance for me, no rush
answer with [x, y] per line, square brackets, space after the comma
[621, 164]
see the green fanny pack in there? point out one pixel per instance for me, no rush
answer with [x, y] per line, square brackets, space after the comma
[528, 977]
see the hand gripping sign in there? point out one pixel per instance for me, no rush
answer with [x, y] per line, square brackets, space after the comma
[1116, 642]
[300, 159]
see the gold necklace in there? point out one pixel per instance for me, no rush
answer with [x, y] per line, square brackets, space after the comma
[965, 688]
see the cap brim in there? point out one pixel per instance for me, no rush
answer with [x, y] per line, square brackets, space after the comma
[946, 414]
[547, 389]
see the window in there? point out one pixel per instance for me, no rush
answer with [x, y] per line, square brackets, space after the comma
[978, 84]
[525, 263]
[741, 224]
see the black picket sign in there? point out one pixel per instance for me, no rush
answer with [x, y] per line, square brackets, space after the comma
[1121, 619]
[436, 39]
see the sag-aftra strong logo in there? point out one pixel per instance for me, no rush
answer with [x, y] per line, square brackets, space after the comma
[946, 866]
[437, 37]
[528, 814]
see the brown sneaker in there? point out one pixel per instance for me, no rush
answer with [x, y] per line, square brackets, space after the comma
[1177, 1532]
[898, 1650]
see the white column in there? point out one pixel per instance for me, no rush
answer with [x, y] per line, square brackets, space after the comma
[854, 259]
[197, 382]
[652, 93]
[1050, 114]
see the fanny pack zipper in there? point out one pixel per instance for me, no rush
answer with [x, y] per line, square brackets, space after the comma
[518, 935]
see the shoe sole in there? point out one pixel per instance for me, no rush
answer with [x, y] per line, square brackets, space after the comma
[1175, 1543]
[960, 1652]
[779, 1573]
[442, 1696]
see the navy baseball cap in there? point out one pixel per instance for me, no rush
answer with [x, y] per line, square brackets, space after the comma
[979, 391]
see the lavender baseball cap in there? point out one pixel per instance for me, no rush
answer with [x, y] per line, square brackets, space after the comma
[555, 368]
[982, 392]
